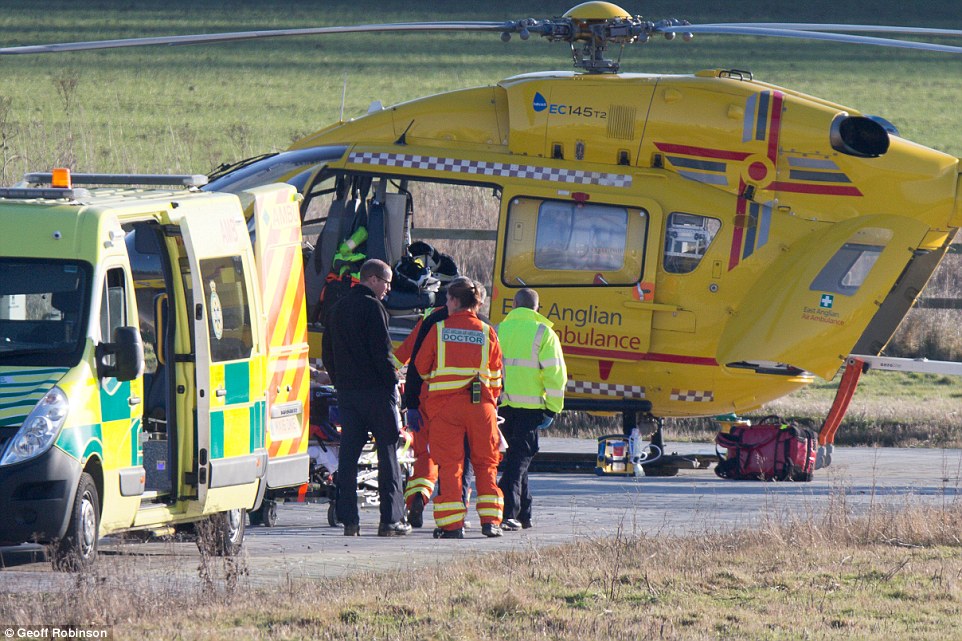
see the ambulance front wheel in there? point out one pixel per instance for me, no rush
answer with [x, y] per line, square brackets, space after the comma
[78, 547]
[223, 533]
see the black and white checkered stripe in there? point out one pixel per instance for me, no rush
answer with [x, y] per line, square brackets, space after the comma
[609, 389]
[692, 396]
[479, 168]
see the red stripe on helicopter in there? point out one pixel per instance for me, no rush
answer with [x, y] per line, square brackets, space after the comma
[739, 233]
[680, 359]
[701, 151]
[775, 126]
[634, 356]
[821, 190]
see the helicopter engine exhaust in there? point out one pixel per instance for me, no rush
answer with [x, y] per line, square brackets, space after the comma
[858, 136]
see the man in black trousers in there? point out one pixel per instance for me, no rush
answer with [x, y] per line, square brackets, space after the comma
[357, 353]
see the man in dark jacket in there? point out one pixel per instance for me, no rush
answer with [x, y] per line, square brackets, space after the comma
[357, 353]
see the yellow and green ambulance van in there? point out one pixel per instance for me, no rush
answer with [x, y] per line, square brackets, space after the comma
[153, 361]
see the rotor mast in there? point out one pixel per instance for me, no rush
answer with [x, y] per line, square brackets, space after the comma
[591, 27]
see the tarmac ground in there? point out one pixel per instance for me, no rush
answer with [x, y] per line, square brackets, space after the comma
[568, 507]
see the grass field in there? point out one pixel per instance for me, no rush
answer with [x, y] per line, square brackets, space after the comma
[191, 108]
[188, 109]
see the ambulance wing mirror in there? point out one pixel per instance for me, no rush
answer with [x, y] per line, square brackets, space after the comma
[123, 358]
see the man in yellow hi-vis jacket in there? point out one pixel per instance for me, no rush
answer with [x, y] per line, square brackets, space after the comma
[534, 382]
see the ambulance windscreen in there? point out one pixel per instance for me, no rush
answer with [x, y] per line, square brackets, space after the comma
[43, 311]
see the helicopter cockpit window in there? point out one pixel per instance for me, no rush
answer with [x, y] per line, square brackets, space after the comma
[848, 268]
[568, 243]
[687, 238]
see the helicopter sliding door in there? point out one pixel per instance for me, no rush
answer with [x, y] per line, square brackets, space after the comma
[817, 300]
[587, 260]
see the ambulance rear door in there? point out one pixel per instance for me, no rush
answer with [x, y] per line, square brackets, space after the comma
[281, 275]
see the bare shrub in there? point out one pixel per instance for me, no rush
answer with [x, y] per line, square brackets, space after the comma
[215, 567]
[66, 83]
[8, 132]
[460, 207]
[935, 334]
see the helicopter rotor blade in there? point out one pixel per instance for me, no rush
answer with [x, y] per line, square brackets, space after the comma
[253, 35]
[854, 28]
[621, 31]
[721, 29]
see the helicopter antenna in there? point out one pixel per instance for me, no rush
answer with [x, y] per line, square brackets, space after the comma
[343, 97]
[403, 140]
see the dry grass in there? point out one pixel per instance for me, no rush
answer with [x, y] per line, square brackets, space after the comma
[935, 334]
[829, 575]
[460, 207]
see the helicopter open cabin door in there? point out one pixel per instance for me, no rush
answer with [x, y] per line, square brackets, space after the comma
[591, 264]
[818, 297]
[229, 456]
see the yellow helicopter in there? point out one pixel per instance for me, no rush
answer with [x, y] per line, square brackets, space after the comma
[703, 243]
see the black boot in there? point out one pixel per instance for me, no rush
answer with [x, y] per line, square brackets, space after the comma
[449, 534]
[416, 511]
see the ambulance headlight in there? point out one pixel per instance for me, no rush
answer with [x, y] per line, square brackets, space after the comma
[40, 429]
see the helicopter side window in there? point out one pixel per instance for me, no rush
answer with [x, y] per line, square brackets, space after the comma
[553, 242]
[687, 238]
[847, 269]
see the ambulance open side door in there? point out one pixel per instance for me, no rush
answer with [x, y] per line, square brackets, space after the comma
[230, 458]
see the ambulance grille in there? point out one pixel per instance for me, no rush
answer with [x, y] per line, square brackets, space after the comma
[621, 122]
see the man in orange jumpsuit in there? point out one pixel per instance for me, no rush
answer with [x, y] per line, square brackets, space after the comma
[420, 485]
[460, 360]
